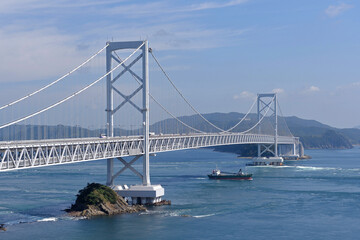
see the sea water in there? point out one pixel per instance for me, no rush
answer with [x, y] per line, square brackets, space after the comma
[317, 198]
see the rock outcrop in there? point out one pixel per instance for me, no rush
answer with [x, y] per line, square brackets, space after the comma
[97, 200]
[161, 203]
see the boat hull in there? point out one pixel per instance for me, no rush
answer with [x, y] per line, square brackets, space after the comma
[231, 177]
[266, 161]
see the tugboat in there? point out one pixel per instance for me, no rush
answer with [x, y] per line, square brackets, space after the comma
[218, 175]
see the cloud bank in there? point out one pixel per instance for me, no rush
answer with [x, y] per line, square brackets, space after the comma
[335, 10]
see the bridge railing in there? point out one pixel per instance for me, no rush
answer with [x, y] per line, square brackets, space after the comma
[30, 154]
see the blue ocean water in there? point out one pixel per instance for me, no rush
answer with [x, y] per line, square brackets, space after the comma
[308, 199]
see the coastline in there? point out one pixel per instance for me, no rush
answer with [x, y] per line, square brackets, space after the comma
[99, 200]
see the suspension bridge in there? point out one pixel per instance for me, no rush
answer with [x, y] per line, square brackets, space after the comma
[25, 144]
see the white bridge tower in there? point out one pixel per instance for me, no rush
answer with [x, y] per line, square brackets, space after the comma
[145, 193]
[263, 107]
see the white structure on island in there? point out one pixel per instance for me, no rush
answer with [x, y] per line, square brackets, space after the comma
[138, 194]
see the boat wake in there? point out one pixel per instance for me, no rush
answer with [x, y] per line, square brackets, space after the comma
[203, 216]
[316, 168]
[23, 219]
[176, 213]
[163, 213]
[268, 166]
[309, 168]
[50, 219]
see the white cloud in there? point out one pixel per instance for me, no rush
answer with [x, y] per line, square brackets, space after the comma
[173, 36]
[31, 48]
[16, 6]
[37, 54]
[163, 7]
[212, 5]
[312, 89]
[353, 85]
[245, 95]
[278, 90]
[335, 10]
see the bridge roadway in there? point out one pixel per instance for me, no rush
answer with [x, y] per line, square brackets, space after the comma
[38, 153]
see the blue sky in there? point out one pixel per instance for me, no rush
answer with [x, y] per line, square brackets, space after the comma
[220, 53]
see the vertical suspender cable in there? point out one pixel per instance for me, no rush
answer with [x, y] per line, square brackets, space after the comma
[57, 80]
[71, 96]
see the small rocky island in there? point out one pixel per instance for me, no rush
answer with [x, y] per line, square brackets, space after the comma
[98, 200]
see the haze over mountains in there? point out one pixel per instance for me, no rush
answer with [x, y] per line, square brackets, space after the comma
[313, 134]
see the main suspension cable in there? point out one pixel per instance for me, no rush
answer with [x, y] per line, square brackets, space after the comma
[228, 130]
[182, 96]
[172, 115]
[287, 126]
[57, 80]
[193, 108]
[260, 119]
[72, 95]
[161, 106]
[197, 130]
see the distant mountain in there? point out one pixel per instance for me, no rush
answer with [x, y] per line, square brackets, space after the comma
[313, 134]
[353, 134]
[221, 120]
[329, 140]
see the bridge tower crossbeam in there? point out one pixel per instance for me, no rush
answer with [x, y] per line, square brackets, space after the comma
[146, 193]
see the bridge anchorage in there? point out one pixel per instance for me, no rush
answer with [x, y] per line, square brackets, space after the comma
[23, 153]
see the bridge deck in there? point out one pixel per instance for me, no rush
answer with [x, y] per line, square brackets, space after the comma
[38, 153]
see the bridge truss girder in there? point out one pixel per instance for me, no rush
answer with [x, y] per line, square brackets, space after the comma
[31, 154]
